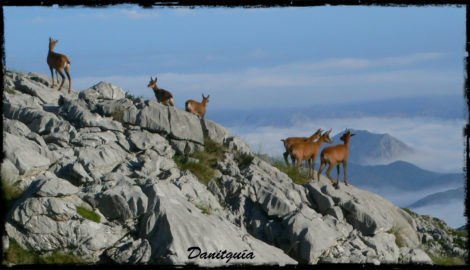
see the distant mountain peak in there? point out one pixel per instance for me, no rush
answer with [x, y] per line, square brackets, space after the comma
[368, 148]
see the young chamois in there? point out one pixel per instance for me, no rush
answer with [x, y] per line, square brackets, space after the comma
[197, 108]
[58, 62]
[162, 95]
[334, 156]
[308, 151]
[291, 140]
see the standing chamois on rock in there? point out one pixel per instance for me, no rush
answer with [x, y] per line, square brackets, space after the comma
[58, 62]
[197, 108]
[292, 140]
[308, 151]
[162, 95]
[334, 156]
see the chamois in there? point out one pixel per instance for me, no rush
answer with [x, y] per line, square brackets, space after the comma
[308, 151]
[197, 108]
[58, 62]
[162, 95]
[334, 156]
[291, 140]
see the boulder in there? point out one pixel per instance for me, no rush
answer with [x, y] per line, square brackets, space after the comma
[214, 131]
[174, 225]
[25, 154]
[103, 90]
[77, 112]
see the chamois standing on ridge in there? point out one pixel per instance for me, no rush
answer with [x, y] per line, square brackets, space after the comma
[197, 108]
[288, 142]
[334, 156]
[58, 62]
[162, 95]
[308, 151]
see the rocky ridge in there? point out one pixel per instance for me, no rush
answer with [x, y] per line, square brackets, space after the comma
[114, 156]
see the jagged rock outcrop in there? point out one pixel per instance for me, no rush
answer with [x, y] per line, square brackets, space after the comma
[114, 156]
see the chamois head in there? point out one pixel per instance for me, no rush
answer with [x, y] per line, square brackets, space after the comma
[205, 100]
[326, 136]
[52, 44]
[317, 134]
[347, 135]
[152, 82]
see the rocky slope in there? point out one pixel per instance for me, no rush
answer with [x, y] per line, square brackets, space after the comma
[115, 156]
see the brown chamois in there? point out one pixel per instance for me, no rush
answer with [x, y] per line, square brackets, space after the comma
[197, 108]
[291, 140]
[308, 151]
[162, 95]
[58, 62]
[334, 156]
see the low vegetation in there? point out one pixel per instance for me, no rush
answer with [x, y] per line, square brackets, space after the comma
[298, 176]
[243, 159]
[10, 91]
[11, 193]
[446, 260]
[399, 241]
[202, 163]
[15, 254]
[87, 214]
[204, 208]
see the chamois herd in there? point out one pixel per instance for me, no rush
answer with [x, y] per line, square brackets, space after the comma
[308, 148]
[59, 62]
[298, 148]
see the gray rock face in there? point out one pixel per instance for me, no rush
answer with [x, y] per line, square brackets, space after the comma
[115, 157]
[103, 90]
[24, 154]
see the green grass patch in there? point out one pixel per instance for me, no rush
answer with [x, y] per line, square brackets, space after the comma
[297, 176]
[447, 260]
[118, 115]
[411, 213]
[60, 258]
[206, 210]
[11, 193]
[16, 255]
[399, 241]
[206, 163]
[87, 214]
[10, 91]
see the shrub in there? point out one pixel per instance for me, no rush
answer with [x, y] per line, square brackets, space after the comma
[87, 214]
[243, 159]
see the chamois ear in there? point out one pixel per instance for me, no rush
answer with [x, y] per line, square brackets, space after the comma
[50, 38]
[156, 78]
[353, 135]
[208, 96]
[151, 78]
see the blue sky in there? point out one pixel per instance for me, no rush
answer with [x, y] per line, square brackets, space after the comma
[246, 58]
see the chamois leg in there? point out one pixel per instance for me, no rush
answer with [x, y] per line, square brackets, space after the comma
[57, 77]
[330, 167]
[313, 166]
[285, 155]
[345, 166]
[63, 79]
[322, 166]
[67, 71]
[339, 175]
[52, 75]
